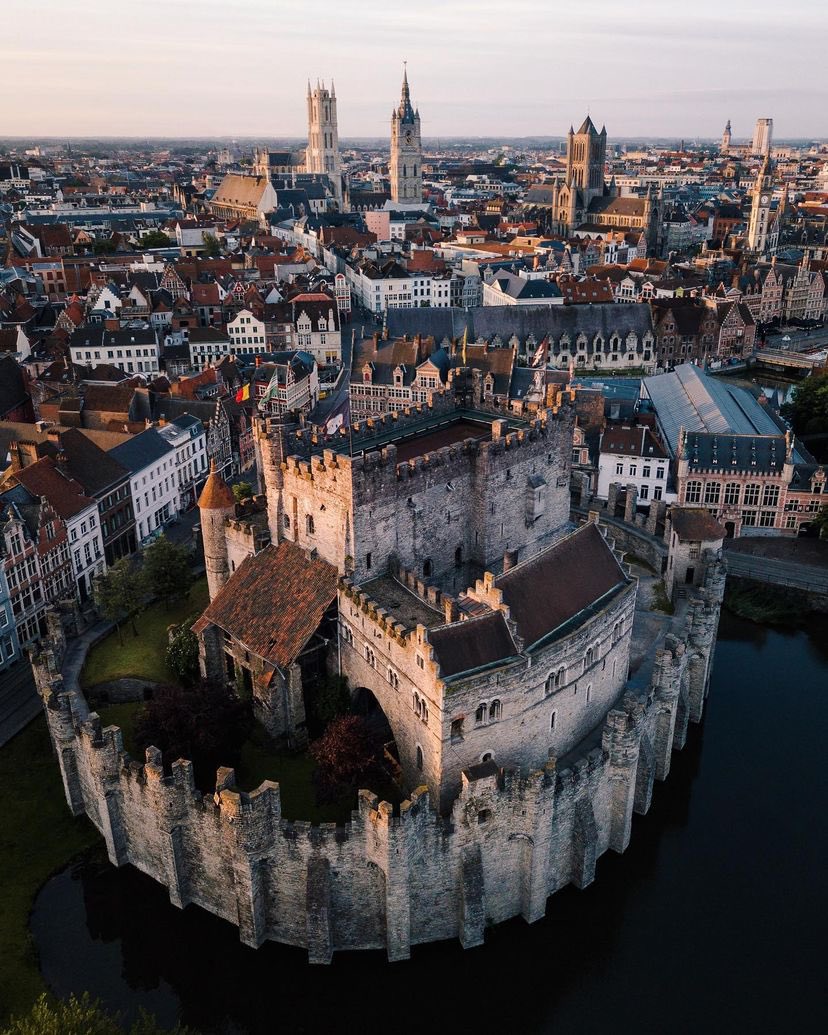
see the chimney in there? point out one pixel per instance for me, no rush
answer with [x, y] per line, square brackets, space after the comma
[498, 429]
[510, 559]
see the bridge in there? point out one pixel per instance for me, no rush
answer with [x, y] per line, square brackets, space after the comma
[783, 359]
[776, 571]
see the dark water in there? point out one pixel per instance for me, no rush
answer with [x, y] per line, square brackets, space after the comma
[712, 921]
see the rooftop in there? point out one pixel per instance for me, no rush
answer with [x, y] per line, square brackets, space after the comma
[404, 605]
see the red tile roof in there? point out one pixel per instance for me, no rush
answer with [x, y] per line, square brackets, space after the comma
[274, 602]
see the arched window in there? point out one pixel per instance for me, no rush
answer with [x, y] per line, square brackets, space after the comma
[495, 711]
[487, 757]
[309, 524]
[419, 758]
[552, 719]
[589, 658]
[480, 714]
[589, 692]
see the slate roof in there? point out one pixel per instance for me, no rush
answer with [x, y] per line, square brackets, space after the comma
[95, 469]
[142, 450]
[626, 441]
[559, 585]
[472, 644]
[759, 454]
[522, 320]
[12, 385]
[300, 588]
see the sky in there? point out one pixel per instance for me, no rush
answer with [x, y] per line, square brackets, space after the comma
[476, 67]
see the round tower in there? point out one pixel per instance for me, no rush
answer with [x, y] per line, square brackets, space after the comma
[216, 504]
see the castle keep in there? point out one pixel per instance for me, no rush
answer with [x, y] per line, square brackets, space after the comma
[428, 557]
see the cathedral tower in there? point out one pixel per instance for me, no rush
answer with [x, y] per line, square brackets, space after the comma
[760, 211]
[322, 155]
[725, 149]
[406, 167]
[586, 154]
[216, 504]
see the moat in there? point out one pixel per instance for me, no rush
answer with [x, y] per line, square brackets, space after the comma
[709, 921]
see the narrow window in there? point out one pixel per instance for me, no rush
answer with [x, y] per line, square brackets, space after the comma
[552, 719]
[480, 714]
[368, 561]
[495, 711]
[419, 758]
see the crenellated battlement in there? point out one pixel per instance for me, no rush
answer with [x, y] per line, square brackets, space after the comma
[390, 877]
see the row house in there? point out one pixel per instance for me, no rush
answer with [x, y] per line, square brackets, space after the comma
[106, 481]
[35, 556]
[10, 651]
[633, 456]
[49, 480]
[187, 437]
[737, 331]
[686, 331]
[316, 321]
[391, 375]
[247, 334]
[134, 349]
[153, 482]
[754, 484]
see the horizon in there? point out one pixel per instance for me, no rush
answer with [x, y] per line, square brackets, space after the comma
[115, 75]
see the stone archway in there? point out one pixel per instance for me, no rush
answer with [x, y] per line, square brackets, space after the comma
[365, 704]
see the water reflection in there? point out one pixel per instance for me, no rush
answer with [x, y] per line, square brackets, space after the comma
[708, 921]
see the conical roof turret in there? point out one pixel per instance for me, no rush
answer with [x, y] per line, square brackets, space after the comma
[216, 494]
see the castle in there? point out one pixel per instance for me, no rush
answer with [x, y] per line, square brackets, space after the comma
[428, 557]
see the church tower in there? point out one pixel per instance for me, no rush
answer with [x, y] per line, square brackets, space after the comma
[725, 149]
[760, 210]
[586, 154]
[322, 155]
[406, 166]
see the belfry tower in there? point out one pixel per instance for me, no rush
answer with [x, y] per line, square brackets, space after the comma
[406, 166]
[726, 136]
[322, 155]
[759, 228]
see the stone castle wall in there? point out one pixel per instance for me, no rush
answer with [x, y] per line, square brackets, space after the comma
[384, 880]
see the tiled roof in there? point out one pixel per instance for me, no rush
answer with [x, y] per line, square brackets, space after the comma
[216, 494]
[44, 478]
[300, 587]
[695, 524]
[560, 583]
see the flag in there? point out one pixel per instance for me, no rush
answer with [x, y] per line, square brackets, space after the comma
[334, 423]
[539, 359]
[243, 394]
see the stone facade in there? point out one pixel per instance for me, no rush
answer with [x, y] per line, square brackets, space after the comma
[390, 881]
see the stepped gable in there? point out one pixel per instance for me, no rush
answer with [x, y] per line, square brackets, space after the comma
[248, 606]
[559, 584]
[472, 644]
[216, 494]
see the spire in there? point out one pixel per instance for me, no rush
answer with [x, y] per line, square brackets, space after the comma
[405, 109]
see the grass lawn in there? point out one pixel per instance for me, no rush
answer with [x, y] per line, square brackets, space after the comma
[37, 836]
[261, 760]
[142, 656]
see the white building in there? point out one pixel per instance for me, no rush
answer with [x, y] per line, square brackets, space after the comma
[633, 456]
[208, 345]
[188, 437]
[247, 333]
[134, 349]
[153, 481]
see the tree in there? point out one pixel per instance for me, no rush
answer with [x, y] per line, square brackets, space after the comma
[345, 754]
[242, 491]
[167, 570]
[119, 593]
[808, 409]
[207, 724]
[328, 701]
[212, 248]
[84, 1016]
[821, 522]
[182, 653]
[155, 239]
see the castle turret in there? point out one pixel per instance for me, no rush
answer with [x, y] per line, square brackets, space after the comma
[216, 504]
